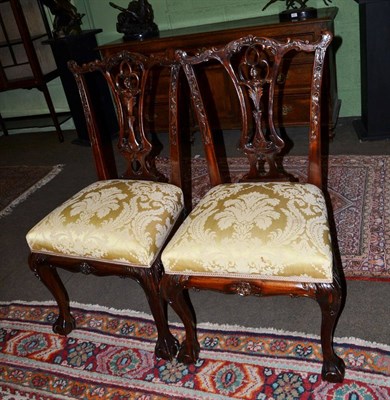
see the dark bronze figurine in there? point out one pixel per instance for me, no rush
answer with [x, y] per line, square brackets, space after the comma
[293, 4]
[136, 21]
[67, 21]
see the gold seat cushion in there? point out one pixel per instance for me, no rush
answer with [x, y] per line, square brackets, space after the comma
[119, 221]
[276, 231]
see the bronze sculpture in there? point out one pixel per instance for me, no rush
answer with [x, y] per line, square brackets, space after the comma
[67, 21]
[293, 4]
[136, 21]
[296, 9]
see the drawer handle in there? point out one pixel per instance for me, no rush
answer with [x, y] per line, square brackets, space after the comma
[152, 118]
[286, 109]
[281, 79]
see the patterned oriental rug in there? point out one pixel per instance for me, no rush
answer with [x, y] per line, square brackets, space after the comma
[111, 356]
[359, 187]
[20, 181]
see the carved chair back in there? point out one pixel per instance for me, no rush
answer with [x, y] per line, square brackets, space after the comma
[127, 75]
[258, 69]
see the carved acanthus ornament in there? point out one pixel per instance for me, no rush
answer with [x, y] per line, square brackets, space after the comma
[242, 288]
[86, 269]
[173, 106]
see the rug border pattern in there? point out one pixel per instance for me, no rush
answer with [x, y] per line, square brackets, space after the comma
[200, 380]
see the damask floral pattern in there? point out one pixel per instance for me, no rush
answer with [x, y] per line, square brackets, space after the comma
[258, 230]
[121, 221]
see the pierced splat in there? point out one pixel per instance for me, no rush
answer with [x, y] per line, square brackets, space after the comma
[256, 75]
[130, 82]
[127, 83]
[127, 75]
[132, 144]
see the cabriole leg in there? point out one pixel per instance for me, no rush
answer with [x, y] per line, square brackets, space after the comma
[167, 345]
[330, 297]
[177, 297]
[48, 274]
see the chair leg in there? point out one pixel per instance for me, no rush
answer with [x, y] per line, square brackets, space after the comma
[3, 126]
[48, 274]
[52, 111]
[330, 297]
[173, 292]
[167, 345]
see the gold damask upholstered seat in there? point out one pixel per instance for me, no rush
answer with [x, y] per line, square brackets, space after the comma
[120, 221]
[266, 234]
[119, 224]
[255, 230]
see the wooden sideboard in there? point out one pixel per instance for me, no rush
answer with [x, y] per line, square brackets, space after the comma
[295, 97]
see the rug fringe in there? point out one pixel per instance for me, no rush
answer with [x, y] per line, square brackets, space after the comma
[54, 172]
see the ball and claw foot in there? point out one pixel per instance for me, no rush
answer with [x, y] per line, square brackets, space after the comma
[64, 326]
[167, 347]
[188, 354]
[333, 370]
